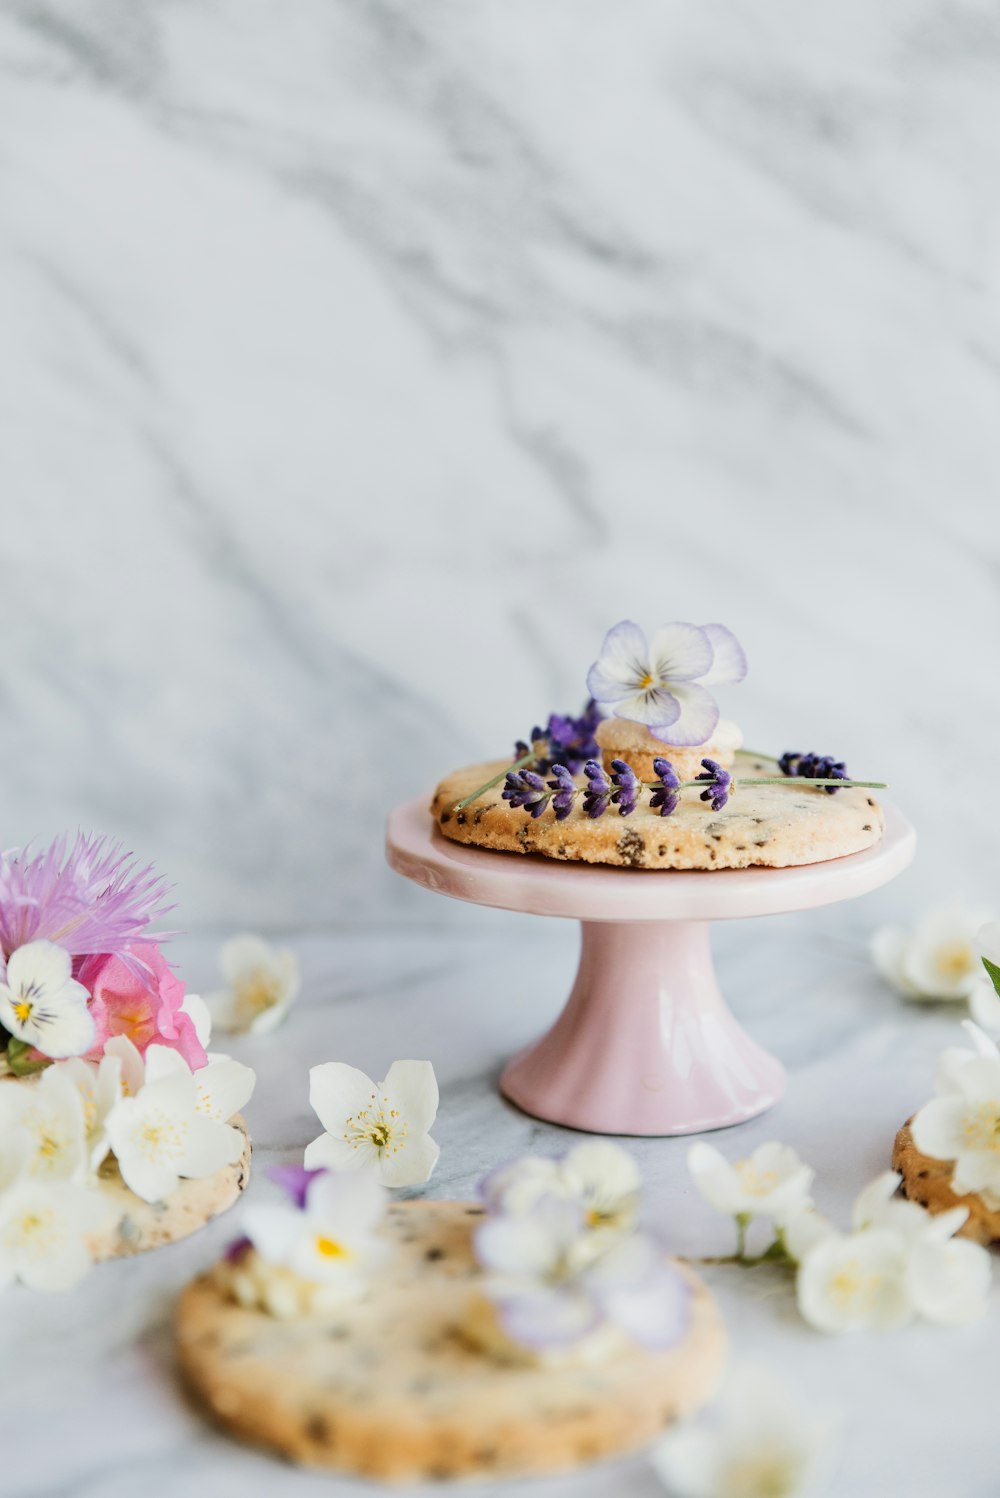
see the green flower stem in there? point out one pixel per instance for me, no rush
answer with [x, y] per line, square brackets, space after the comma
[742, 1223]
[519, 764]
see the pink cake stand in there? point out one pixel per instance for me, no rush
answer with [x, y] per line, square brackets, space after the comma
[646, 1043]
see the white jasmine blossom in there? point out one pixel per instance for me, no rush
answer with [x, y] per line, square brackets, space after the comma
[384, 1125]
[963, 1125]
[45, 1227]
[855, 1282]
[42, 1125]
[41, 1003]
[162, 1133]
[224, 1086]
[762, 1443]
[99, 1085]
[773, 1182]
[261, 983]
[937, 959]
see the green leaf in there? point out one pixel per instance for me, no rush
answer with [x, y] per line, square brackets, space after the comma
[21, 1060]
[993, 971]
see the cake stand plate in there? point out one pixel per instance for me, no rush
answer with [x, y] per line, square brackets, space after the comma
[646, 1043]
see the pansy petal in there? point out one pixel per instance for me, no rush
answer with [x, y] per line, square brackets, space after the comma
[680, 652]
[729, 663]
[349, 1203]
[41, 963]
[698, 719]
[541, 1318]
[622, 664]
[411, 1087]
[654, 706]
[516, 1246]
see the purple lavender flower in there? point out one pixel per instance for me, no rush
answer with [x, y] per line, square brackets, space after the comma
[814, 767]
[89, 897]
[564, 788]
[295, 1181]
[597, 793]
[719, 787]
[564, 740]
[665, 798]
[236, 1250]
[525, 788]
[628, 787]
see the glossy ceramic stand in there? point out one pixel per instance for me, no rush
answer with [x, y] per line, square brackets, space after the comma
[646, 1043]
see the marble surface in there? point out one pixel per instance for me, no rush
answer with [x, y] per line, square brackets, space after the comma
[99, 1413]
[362, 363]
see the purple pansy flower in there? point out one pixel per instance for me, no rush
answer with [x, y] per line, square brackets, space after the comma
[720, 784]
[665, 797]
[664, 684]
[628, 787]
[597, 793]
[295, 1181]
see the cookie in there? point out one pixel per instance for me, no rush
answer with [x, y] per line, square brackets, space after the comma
[390, 1388]
[773, 826]
[140, 1226]
[928, 1181]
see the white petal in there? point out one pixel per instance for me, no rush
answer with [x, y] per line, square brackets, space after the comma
[870, 1202]
[729, 662]
[653, 707]
[338, 1092]
[209, 1147]
[411, 1087]
[242, 955]
[984, 1005]
[949, 1283]
[716, 1179]
[200, 1015]
[680, 652]
[411, 1164]
[847, 1284]
[887, 947]
[603, 1172]
[273, 1230]
[938, 1128]
[39, 964]
[224, 1087]
[622, 664]
[348, 1205]
[330, 1153]
[804, 1229]
[699, 716]
[133, 1067]
[268, 1020]
[517, 1246]
[163, 1063]
[147, 1175]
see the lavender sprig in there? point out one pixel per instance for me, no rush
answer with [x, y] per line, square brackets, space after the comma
[597, 792]
[666, 791]
[719, 787]
[628, 787]
[566, 740]
[523, 788]
[814, 767]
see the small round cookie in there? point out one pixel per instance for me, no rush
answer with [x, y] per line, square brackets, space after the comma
[620, 738]
[139, 1225]
[928, 1181]
[389, 1388]
[774, 826]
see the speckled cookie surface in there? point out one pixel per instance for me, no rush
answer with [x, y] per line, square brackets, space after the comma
[774, 826]
[140, 1226]
[389, 1388]
[928, 1181]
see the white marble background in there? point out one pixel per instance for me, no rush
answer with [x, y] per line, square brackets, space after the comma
[361, 362]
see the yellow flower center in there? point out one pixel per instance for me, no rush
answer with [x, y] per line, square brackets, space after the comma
[855, 1286]
[22, 1010]
[329, 1248]
[756, 1182]
[761, 1474]
[981, 1129]
[645, 681]
[378, 1124]
[255, 993]
[955, 959]
[162, 1137]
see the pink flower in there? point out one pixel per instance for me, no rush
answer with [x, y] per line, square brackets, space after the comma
[147, 1009]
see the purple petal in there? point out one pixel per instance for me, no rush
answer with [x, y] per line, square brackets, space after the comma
[729, 664]
[680, 652]
[294, 1181]
[539, 1318]
[641, 1292]
[622, 664]
[697, 721]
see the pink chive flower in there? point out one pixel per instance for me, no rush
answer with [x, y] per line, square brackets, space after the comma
[147, 1009]
[89, 897]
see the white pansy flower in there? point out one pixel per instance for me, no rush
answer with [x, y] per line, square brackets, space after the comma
[42, 1004]
[963, 1125]
[328, 1242]
[384, 1125]
[773, 1182]
[42, 1123]
[518, 1186]
[937, 959]
[261, 982]
[855, 1282]
[44, 1232]
[761, 1444]
[162, 1133]
[664, 684]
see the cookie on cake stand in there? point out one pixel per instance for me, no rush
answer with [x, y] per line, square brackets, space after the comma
[645, 853]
